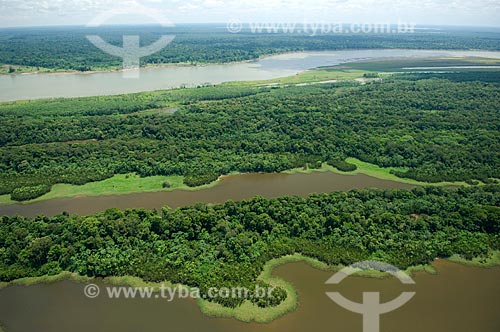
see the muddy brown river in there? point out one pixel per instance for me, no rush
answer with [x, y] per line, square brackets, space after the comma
[458, 299]
[237, 187]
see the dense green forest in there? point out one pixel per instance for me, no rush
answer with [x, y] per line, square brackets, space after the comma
[227, 245]
[67, 48]
[434, 130]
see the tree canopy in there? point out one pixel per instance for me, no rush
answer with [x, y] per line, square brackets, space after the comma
[430, 130]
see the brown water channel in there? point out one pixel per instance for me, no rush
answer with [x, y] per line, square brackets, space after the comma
[237, 187]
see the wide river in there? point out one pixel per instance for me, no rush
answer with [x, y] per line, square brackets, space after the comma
[33, 86]
[235, 187]
[458, 299]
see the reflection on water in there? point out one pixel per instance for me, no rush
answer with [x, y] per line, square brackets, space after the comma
[236, 188]
[458, 299]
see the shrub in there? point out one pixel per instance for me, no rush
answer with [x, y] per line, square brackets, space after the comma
[342, 165]
[28, 193]
[196, 180]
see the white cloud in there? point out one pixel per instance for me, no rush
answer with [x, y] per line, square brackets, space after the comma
[480, 12]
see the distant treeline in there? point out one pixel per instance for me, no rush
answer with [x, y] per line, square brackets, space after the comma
[431, 130]
[68, 49]
[463, 76]
[227, 245]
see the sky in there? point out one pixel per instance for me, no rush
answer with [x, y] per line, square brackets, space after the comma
[421, 12]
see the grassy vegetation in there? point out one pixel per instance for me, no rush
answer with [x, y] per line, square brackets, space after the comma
[309, 76]
[5, 199]
[402, 64]
[46, 279]
[13, 69]
[319, 75]
[373, 171]
[5, 68]
[137, 283]
[117, 185]
[492, 260]
[421, 268]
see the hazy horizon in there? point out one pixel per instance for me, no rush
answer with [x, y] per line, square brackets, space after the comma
[36, 13]
[245, 23]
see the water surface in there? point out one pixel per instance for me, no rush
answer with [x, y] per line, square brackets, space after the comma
[33, 86]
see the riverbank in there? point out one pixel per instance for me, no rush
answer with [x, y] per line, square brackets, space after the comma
[120, 184]
[375, 171]
[485, 262]
[249, 312]
[133, 184]
[24, 70]
[27, 70]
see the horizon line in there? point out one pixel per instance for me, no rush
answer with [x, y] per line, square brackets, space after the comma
[243, 22]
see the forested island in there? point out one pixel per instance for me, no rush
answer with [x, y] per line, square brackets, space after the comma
[425, 129]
